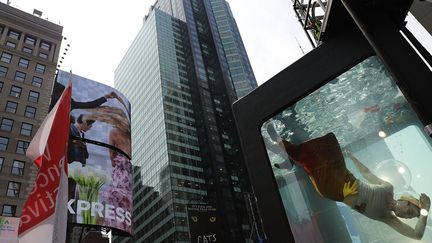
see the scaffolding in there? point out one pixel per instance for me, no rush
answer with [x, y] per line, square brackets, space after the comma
[311, 14]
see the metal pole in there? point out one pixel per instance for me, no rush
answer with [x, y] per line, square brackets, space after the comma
[254, 224]
[322, 5]
[81, 235]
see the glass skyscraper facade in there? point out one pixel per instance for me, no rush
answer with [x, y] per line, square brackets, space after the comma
[181, 74]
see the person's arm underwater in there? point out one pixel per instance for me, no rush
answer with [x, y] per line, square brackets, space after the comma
[406, 230]
[284, 146]
[366, 173]
[276, 138]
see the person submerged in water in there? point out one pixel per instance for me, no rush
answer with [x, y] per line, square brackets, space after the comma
[323, 161]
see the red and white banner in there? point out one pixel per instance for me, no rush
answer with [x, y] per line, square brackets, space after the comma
[44, 215]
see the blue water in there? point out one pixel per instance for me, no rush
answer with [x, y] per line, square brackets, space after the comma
[370, 116]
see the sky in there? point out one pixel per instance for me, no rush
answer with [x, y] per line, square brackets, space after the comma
[100, 32]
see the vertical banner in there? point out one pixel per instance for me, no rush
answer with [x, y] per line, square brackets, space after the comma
[99, 153]
[204, 224]
[9, 229]
[44, 212]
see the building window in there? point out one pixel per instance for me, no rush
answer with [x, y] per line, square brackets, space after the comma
[1, 86]
[1, 163]
[24, 63]
[30, 40]
[8, 210]
[14, 34]
[33, 96]
[10, 44]
[27, 50]
[26, 129]
[3, 71]
[36, 81]
[43, 55]
[11, 107]
[40, 68]
[6, 124]
[21, 147]
[15, 91]
[6, 57]
[4, 141]
[18, 168]
[13, 189]
[45, 46]
[20, 76]
[30, 112]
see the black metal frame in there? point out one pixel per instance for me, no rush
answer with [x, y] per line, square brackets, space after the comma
[365, 31]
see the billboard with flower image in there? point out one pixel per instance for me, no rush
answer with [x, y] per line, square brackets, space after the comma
[100, 170]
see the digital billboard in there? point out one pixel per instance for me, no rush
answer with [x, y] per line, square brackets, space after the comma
[99, 153]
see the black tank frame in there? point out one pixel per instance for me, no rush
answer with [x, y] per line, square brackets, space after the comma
[352, 31]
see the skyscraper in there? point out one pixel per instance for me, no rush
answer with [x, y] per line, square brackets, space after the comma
[29, 49]
[181, 73]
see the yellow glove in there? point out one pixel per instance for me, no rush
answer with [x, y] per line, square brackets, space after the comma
[349, 189]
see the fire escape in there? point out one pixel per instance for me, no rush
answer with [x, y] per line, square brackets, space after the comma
[311, 14]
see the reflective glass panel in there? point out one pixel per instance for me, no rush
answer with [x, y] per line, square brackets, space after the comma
[351, 161]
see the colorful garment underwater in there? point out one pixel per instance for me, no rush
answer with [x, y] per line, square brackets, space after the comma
[323, 161]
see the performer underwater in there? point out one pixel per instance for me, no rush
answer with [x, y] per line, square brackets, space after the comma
[323, 160]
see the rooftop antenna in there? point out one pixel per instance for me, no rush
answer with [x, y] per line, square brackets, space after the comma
[298, 43]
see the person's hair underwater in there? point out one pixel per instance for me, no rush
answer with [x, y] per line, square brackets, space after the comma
[404, 209]
[410, 199]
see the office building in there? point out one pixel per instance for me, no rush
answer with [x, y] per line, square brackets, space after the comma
[184, 69]
[29, 50]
